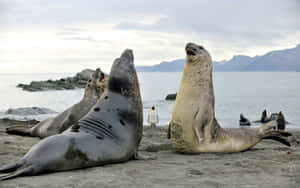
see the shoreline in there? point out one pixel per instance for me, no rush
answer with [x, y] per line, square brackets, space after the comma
[268, 164]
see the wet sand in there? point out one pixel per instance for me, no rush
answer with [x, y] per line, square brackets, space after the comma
[268, 164]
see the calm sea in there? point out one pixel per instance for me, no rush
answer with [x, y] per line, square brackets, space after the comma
[235, 92]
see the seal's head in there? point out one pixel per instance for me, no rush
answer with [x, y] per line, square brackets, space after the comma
[123, 81]
[123, 78]
[91, 88]
[196, 53]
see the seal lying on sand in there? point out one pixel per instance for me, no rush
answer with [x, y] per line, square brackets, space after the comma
[109, 133]
[193, 128]
[55, 125]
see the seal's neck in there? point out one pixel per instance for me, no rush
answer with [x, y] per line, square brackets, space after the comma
[197, 78]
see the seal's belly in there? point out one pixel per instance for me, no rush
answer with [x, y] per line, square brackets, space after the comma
[182, 134]
[180, 140]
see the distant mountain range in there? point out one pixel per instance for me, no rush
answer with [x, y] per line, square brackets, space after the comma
[281, 60]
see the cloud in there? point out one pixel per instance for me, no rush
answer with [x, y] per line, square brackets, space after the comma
[89, 39]
[70, 31]
[236, 22]
[156, 30]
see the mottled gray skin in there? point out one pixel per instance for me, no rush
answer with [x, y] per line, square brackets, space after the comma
[109, 133]
[61, 122]
[193, 127]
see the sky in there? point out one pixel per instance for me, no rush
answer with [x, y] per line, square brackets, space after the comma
[53, 36]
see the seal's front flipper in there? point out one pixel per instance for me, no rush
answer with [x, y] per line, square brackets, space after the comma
[197, 134]
[198, 126]
[21, 130]
[22, 172]
[139, 156]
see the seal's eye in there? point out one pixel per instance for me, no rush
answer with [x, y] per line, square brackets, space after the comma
[201, 47]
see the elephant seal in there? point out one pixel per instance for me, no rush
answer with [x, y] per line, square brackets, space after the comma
[244, 121]
[55, 125]
[109, 133]
[193, 127]
[280, 119]
[274, 116]
[264, 117]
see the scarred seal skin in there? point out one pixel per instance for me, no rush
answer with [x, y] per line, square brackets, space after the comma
[109, 133]
[61, 122]
[194, 128]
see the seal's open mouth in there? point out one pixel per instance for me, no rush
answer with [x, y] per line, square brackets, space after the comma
[190, 52]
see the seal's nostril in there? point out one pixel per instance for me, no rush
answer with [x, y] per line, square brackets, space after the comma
[122, 122]
[96, 109]
[99, 137]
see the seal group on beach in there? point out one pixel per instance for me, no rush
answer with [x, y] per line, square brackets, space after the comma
[109, 130]
[279, 117]
[194, 128]
[109, 133]
[55, 125]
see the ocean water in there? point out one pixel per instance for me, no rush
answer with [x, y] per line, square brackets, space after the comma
[235, 92]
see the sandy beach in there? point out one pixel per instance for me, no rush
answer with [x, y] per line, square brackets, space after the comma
[268, 164]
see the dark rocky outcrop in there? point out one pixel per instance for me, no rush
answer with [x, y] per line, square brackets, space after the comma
[171, 96]
[78, 81]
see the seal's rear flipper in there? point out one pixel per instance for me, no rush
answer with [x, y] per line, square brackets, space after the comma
[22, 172]
[278, 136]
[279, 139]
[10, 167]
[21, 130]
[139, 156]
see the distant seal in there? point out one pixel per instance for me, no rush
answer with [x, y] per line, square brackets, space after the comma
[55, 125]
[109, 133]
[274, 116]
[193, 127]
[244, 121]
[264, 117]
[280, 119]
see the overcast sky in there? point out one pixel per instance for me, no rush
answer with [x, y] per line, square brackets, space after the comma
[70, 35]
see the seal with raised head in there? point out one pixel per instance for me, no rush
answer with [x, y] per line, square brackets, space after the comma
[193, 127]
[109, 133]
[244, 121]
[55, 125]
